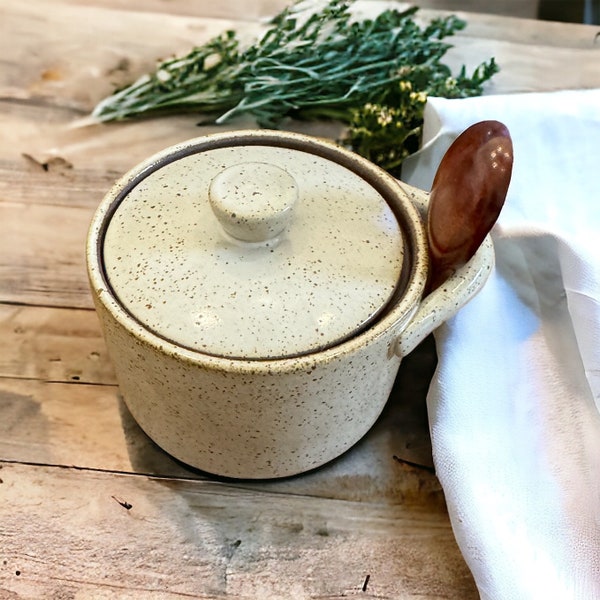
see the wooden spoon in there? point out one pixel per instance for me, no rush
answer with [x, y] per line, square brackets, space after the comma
[467, 195]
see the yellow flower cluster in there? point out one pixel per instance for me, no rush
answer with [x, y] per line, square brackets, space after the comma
[384, 115]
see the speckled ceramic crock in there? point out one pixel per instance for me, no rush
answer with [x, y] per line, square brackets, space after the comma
[261, 417]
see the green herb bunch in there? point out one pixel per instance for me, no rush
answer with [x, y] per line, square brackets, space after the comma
[315, 61]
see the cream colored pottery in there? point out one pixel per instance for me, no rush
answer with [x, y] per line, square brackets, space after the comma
[257, 291]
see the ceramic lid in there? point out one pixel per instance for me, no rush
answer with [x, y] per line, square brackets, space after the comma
[253, 251]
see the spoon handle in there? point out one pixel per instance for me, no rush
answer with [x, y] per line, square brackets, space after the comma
[467, 195]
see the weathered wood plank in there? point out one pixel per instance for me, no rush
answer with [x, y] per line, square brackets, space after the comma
[58, 345]
[43, 255]
[87, 50]
[252, 11]
[509, 20]
[530, 67]
[528, 32]
[44, 159]
[55, 181]
[62, 424]
[71, 533]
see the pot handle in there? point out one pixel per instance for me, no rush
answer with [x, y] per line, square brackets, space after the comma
[446, 300]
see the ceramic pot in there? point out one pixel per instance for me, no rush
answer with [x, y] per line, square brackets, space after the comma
[257, 291]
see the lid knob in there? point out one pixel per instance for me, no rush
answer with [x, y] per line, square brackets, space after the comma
[253, 201]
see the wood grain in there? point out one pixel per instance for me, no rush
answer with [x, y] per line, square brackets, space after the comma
[85, 534]
[61, 345]
[42, 249]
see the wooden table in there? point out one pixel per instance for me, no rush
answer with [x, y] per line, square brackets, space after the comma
[89, 506]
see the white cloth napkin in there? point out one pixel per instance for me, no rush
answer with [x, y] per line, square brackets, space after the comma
[514, 405]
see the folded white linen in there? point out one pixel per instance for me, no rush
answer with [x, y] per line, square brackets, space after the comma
[514, 404]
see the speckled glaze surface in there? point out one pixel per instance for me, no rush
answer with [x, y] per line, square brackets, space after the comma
[246, 418]
[253, 251]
